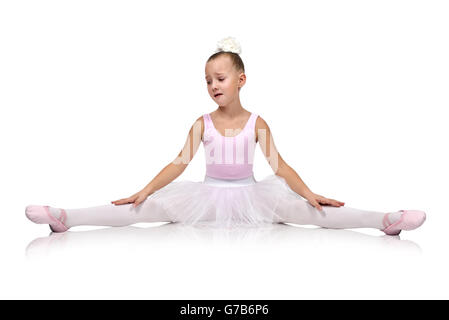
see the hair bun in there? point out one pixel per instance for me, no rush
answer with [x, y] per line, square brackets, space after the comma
[229, 44]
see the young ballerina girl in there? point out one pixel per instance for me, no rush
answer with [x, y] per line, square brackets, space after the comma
[229, 196]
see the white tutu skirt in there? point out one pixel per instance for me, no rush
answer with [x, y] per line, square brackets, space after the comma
[226, 203]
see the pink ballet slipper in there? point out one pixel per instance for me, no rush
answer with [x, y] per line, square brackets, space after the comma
[409, 220]
[42, 215]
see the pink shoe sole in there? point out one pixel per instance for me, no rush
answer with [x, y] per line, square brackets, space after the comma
[42, 215]
[410, 219]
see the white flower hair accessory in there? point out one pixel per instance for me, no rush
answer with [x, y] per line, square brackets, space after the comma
[229, 44]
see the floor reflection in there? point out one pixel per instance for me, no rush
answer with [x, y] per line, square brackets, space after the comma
[174, 235]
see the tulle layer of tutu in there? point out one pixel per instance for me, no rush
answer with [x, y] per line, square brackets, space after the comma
[211, 205]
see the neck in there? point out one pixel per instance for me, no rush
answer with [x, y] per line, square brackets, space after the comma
[231, 110]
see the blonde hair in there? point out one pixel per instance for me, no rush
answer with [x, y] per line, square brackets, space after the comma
[235, 58]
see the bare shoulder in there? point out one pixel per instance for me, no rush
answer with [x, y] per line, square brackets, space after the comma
[200, 120]
[261, 124]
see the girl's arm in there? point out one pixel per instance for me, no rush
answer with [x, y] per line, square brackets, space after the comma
[279, 166]
[173, 169]
[182, 160]
[282, 169]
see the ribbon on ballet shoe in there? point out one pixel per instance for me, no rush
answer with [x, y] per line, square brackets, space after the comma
[58, 225]
[388, 225]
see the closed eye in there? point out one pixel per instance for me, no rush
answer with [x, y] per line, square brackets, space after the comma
[208, 82]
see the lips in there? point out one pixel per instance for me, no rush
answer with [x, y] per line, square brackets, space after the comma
[218, 94]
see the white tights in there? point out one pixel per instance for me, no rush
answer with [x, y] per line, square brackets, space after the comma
[306, 214]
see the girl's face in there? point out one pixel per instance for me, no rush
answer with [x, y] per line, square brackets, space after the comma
[223, 81]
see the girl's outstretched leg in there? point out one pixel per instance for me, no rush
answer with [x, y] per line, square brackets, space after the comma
[302, 212]
[105, 215]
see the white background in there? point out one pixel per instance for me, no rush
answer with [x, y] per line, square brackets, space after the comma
[97, 97]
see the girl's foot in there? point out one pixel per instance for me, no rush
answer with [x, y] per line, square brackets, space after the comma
[54, 217]
[408, 220]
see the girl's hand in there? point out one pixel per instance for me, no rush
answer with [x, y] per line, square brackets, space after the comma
[315, 200]
[136, 199]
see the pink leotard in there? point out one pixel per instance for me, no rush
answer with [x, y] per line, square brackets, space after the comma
[229, 157]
